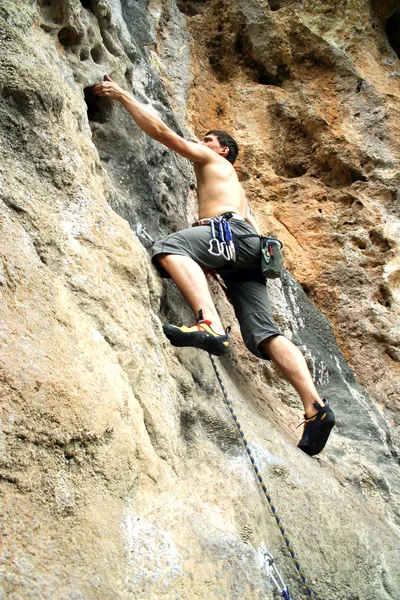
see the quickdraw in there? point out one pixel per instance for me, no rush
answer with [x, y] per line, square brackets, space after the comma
[142, 233]
[223, 246]
[229, 241]
[267, 562]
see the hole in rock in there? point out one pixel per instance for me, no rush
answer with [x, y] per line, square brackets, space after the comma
[336, 174]
[239, 42]
[68, 36]
[274, 4]
[129, 75]
[393, 31]
[87, 4]
[379, 241]
[383, 296]
[278, 4]
[263, 77]
[97, 54]
[294, 170]
[306, 289]
[99, 109]
[361, 244]
[357, 176]
[191, 8]
[84, 54]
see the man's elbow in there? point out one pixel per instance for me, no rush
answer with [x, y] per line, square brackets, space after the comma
[163, 134]
[174, 142]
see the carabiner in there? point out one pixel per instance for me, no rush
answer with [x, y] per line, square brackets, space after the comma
[223, 245]
[267, 562]
[214, 245]
[229, 241]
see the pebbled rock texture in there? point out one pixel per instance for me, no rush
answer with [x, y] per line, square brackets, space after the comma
[122, 473]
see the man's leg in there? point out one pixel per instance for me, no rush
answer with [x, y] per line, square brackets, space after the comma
[192, 282]
[319, 416]
[294, 367]
[254, 312]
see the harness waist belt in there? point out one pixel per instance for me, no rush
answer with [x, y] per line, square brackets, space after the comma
[228, 215]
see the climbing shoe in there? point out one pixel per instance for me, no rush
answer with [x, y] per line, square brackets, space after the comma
[200, 335]
[317, 429]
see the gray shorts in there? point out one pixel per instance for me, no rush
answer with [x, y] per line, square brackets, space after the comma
[245, 284]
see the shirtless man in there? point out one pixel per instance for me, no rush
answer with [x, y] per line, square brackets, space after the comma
[185, 255]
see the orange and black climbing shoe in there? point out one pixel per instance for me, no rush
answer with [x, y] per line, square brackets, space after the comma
[200, 335]
[317, 429]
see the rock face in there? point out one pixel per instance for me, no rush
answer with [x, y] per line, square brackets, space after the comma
[122, 473]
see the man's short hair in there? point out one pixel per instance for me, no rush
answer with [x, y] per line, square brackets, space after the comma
[226, 140]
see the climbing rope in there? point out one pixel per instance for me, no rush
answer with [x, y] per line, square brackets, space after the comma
[261, 482]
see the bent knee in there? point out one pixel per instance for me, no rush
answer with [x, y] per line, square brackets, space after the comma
[268, 345]
[165, 259]
[161, 258]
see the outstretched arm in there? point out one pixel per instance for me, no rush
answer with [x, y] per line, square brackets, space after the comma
[152, 124]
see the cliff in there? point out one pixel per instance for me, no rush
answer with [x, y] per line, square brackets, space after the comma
[122, 473]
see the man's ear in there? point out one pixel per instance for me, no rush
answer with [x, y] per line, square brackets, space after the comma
[224, 151]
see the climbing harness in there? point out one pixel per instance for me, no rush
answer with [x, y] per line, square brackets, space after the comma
[271, 254]
[224, 246]
[267, 562]
[262, 484]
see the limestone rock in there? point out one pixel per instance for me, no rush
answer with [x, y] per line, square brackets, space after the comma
[123, 475]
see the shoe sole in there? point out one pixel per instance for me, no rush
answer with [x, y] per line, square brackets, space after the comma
[195, 340]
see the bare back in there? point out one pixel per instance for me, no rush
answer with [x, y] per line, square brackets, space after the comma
[218, 189]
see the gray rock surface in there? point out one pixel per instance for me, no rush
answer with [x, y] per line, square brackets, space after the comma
[122, 473]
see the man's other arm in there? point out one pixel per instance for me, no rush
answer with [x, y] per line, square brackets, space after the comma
[250, 218]
[152, 124]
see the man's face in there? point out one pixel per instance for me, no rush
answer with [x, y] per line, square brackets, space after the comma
[211, 141]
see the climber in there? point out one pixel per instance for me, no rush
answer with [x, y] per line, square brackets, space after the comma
[186, 254]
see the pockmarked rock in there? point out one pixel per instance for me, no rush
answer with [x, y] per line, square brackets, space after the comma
[122, 473]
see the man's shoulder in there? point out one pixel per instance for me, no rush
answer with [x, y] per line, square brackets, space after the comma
[219, 162]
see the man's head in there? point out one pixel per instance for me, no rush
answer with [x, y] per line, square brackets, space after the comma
[225, 141]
